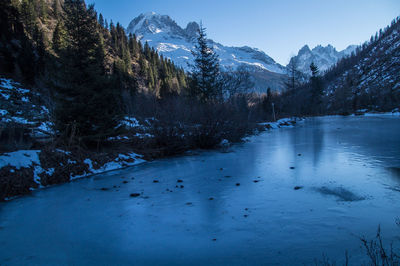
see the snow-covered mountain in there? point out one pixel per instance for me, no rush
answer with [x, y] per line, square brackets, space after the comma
[176, 43]
[323, 57]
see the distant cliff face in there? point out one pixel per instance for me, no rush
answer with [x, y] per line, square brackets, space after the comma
[323, 57]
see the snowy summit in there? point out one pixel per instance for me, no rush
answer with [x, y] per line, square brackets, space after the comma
[176, 43]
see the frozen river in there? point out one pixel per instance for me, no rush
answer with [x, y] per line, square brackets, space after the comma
[234, 208]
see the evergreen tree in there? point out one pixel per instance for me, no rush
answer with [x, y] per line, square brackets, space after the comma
[317, 89]
[143, 66]
[205, 78]
[165, 79]
[10, 28]
[59, 35]
[18, 56]
[28, 16]
[101, 20]
[147, 51]
[106, 24]
[182, 79]
[133, 46]
[111, 25]
[40, 47]
[314, 70]
[267, 103]
[42, 10]
[86, 106]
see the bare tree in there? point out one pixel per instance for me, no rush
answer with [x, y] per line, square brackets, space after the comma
[236, 82]
[293, 73]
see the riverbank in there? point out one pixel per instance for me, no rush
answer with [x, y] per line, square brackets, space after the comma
[23, 171]
[283, 197]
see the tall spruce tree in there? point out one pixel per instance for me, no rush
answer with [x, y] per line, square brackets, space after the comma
[59, 35]
[101, 20]
[86, 106]
[133, 45]
[205, 80]
[317, 89]
[28, 15]
[42, 9]
[19, 55]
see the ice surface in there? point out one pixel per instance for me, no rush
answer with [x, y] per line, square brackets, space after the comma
[210, 220]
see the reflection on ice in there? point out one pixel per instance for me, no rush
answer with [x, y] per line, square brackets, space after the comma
[340, 193]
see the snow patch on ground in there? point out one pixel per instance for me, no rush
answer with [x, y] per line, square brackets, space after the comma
[396, 113]
[122, 161]
[30, 159]
[20, 159]
[25, 159]
[20, 106]
[284, 122]
[130, 122]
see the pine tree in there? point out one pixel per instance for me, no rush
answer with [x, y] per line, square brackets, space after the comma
[317, 89]
[165, 79]
[18, 56]
[59, 35]
[106, 24]
[132, 44]
[182, 79]
[314, 70]
[147, 51]
[205, 79]
[101, 20]
[28, 16]
[85, 103]
[40, 47]
[143, 66]
[42, 10]
[151, 79]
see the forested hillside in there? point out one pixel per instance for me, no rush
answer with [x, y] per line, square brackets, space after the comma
[370, 78]
[44, 30]
[86, 68]
[367, 80]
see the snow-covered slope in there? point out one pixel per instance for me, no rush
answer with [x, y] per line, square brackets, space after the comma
[323, 57]
[176, 43]
[23, 108]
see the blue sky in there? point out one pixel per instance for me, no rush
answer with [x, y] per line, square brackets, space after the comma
[279, 28]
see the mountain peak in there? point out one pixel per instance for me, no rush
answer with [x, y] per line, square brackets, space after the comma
[324, 49]
[149, 14]
[323, 56]
[153, 23]
[304, 49]
[192, 29]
